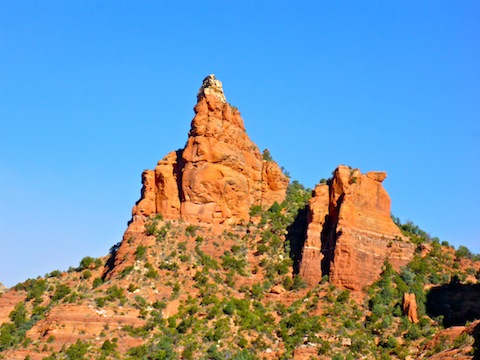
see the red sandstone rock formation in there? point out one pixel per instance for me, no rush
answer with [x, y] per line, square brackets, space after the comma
[215, 179]
[310, 269]
[350, 232]
[219, 174]
[409, 307]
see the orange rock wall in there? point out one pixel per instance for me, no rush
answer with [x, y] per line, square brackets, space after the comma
[219, 174]
[353, 230]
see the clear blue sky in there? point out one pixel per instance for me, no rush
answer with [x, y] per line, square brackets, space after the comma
[94, 92]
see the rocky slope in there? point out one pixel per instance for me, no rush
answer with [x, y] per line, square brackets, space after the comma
[223, 258]
[350, 231]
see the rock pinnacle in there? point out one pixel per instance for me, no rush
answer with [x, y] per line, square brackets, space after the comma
[211, 86]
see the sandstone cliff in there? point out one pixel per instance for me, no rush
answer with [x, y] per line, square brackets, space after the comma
[350, 232]
[218, 176]
[214, 181]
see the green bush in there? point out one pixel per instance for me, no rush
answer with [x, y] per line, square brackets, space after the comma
[61, 291]
[108, 346]
[255, 210]
[54, 273]
[77, 351]
[87, 263]
[140, 252]
[266, 156]
[127, 270]
[191, 230]
[97, 282]
[151, 227]
[87, 274]
[18, 315]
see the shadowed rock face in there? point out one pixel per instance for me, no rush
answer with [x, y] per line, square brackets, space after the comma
[456, 302]
[350, 233]
[219, 174]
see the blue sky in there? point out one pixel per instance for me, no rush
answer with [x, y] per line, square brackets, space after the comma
[94, 92]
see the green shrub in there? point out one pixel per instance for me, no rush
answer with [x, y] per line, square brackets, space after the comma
[298, 283]
[127, 270]
[61, 291]
[151, 227]
[229, 262]
[108, 346]
[132, 287]
[160, 305]
[87, 263]
[255, 210]
[115, 292]
[97, 282]
[87, 274]
[151, 274]
[191, 230]
[77, 351]
[266, 156]
[343, 296]
[18, 315]
[54, 273]
[464, 252]
[140, 252]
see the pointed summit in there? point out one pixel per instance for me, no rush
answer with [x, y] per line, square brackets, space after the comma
[215, 180]
[218, 176]
[211, 86]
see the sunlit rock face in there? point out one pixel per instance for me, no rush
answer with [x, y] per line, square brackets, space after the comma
[350, 232]
[219, 175]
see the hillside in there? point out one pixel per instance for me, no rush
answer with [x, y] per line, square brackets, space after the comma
[226, 258]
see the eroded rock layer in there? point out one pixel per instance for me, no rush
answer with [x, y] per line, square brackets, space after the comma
[350, 232]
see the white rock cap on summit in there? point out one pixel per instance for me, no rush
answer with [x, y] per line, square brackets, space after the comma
[211, 86]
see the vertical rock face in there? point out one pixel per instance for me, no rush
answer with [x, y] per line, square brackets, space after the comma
[219, 174]
[312, 256]
[350, 232]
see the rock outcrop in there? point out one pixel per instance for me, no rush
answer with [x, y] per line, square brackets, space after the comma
[3, 288]
[409, 307]
[218, 176]
[350, 232]
[215, 180]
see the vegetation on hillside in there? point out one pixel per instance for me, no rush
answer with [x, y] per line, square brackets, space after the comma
[204, 296]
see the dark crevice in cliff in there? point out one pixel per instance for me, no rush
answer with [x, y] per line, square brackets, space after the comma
[296, 237]
[326, 244]
[110, 264]
[329, 233]
[178, 174]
